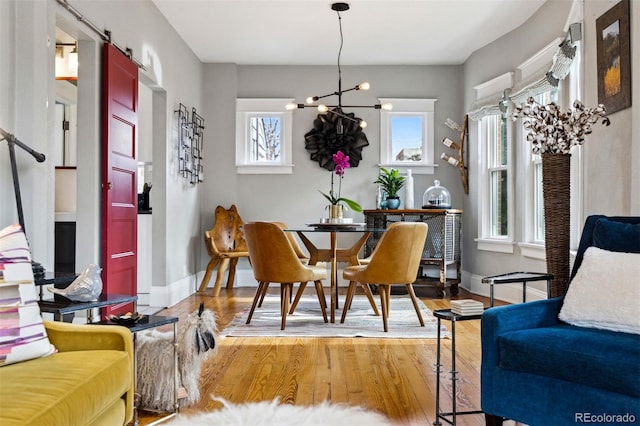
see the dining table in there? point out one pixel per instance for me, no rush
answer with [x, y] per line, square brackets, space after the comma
[334, 254]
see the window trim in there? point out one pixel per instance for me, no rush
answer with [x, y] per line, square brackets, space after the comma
[247, 108]
[404, 106]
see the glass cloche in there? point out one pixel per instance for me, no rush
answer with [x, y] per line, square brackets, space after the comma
[436, 197]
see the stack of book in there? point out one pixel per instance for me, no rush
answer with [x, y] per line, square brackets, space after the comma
[467, 307]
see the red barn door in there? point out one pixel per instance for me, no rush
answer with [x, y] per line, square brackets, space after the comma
[119, 180]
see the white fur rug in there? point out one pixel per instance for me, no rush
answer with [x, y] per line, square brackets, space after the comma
[268, 413]
[307, 321]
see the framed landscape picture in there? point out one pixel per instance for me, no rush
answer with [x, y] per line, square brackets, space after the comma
[613, 57]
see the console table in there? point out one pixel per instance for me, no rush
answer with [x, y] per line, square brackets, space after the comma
[442, 247]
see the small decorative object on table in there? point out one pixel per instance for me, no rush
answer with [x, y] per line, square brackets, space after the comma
[391, 182]
[436, 197]
[408, 191]
[87, 287]
[467, 307]
[553, 133]
[341, 163]
[126, 319]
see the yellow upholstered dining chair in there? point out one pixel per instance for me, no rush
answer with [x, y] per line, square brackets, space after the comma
[274, 260]
[225, 244]
[395, 260]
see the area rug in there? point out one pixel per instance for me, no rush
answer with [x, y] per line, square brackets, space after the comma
[267, 413]
[307, 321]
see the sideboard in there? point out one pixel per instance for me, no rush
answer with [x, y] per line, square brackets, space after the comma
[442, 247]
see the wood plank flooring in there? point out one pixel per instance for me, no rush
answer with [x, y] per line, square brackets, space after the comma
[395, 377]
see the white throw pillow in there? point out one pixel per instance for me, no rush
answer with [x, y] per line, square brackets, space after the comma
[605, 293]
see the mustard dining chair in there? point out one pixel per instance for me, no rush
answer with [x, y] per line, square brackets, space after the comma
[274, 260]
[395, 260]
[304, 258]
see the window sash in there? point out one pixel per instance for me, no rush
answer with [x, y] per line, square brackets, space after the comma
[496, 208]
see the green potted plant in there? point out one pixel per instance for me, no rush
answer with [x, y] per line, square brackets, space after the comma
[391, 182]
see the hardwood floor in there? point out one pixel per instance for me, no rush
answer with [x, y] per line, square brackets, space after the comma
[395, 377]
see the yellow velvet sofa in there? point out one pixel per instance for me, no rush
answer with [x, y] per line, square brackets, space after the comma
[89, 381]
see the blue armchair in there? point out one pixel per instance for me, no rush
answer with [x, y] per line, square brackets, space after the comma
[539, 370]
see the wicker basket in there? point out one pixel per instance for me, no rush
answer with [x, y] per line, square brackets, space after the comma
[556, 175]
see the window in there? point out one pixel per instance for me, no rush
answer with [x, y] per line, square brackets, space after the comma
[534, 226]
[263, 136]
[495, 177]
[406, 135]
[494, 138]
[534, 179]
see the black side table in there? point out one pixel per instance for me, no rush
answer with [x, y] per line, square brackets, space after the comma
[145, 323]
[447, 315]
[516, 277]
[64, 310]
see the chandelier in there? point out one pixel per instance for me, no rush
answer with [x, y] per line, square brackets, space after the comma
[337, 110]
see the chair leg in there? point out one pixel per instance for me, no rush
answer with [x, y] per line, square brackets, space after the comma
[323, 302]
[224, 264]
[285, 296]
[303, 285]
[262, 287]
[264, 293]
[385, 293]
[414, 299]
[232, 273]
[349, 298]
[372, 302]
[207, 275]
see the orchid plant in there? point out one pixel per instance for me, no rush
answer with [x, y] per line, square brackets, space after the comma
[342, 164]
[553, 131]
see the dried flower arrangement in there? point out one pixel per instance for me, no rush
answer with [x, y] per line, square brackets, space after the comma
[553, 131]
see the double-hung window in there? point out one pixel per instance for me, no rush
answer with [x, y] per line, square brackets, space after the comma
[534, 179]
[533, 240]
[496, 199]
[495, 175]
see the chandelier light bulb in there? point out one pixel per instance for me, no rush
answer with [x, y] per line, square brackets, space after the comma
[322, 108]
[387, 106]
[364, 86]
[291, 106]
[312, 99]
[362, 124]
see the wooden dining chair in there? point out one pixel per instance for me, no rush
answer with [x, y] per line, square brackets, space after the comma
[225, 244]
[274, 260]
[395, 260]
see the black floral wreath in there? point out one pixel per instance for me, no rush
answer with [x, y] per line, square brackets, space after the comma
[323, 140]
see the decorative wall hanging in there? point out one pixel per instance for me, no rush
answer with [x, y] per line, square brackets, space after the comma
[614, 53]
[336, 130]
[324, 140]
[458, 162]
[190, 144]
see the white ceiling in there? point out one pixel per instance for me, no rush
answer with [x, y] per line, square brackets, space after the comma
[376, 32]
